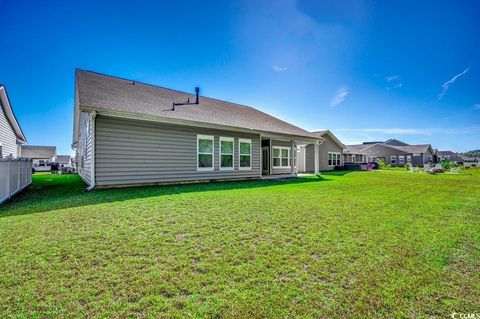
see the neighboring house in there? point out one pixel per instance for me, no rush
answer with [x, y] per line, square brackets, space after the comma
[393, 152]
[11, 135]
[131, 133]
[330, 153]
[64, 160]
[42, 156]
[449, 156]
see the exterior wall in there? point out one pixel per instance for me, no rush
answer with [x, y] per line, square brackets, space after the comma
[326, 147]
[301, 158]
[141, 152]
[310, 158]
[380, 151]
[8, 138]
[84, 149]
[281, 170]
[417, 160]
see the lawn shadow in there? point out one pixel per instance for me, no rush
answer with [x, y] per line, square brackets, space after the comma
[51, 192]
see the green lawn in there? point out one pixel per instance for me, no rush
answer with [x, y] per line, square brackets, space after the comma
[363, 244]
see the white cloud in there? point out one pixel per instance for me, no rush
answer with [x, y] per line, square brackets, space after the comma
[339, 97]
[476, 106]
[447, 84]
[279, 68]
[391, 78]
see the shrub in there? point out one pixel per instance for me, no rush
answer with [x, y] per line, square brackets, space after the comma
[381, 164]
[408, 166]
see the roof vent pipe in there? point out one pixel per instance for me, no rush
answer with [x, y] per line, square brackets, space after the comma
[197, 90]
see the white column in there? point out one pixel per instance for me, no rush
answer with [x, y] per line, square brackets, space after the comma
[316, 158]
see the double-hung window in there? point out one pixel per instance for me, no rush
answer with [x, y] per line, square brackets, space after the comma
[281, 157]
[226, 153]
[401, 159]
[393, 159]
[205, 152]
[245, 153]
[334, 159]
[409, 158]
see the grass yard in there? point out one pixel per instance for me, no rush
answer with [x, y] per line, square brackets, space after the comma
[386, 244]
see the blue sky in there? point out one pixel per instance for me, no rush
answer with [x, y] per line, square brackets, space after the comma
[365, 70]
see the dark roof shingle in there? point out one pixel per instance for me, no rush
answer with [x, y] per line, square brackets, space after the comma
[105, 92]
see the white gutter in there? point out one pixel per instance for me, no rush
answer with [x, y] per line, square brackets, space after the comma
[92, 164]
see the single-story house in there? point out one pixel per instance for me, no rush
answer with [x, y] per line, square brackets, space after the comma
[131, 133]
[449, 156]
[330, 153]
[42, 156]
[64, 160]
[11, 135]
[394, 152]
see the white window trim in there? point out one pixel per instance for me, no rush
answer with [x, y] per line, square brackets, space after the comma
[227, 139]
[206, 137]
[393, 159]
[289, 156]
[334, 160]
[401, 159]
[244, 140]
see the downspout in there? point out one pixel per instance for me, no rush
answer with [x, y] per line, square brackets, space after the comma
[92, 164]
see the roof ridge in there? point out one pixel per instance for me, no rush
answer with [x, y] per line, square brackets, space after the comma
[79, 70]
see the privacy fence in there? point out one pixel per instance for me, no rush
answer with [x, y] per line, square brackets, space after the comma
[15, 175]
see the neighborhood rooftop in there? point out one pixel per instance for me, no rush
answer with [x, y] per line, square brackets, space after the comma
[107, 93]
[33, 151]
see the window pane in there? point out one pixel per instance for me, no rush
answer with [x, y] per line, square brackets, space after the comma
[276, 152]
[276, 162]
[227, 147]
[244, 160]
[285, 161]
[284, 152]
[227, 161]
[244, 148]
[205, 146]
[205, 160]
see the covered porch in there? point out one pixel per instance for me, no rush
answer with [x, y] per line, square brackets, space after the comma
[279, 156]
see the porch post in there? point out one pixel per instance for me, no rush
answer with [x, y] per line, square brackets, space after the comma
[316, 158]
[270, 153]
[292, 148]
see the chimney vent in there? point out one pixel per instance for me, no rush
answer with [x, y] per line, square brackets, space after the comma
[197, 91]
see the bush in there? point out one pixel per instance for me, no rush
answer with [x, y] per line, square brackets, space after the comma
[446, 165]
[408, 166]
[381, 164]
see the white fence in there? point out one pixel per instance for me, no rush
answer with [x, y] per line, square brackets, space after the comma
[15, 175]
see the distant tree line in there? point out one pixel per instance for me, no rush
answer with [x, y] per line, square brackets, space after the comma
[474, 153]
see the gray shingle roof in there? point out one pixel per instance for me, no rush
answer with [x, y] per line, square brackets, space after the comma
[33, 151]
[361, 148]
[63, 158]
[420, 148]
[105, 92]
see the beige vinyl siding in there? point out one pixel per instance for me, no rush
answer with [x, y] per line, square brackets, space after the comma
[8, 139]
[142, 152]
[84, 150]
